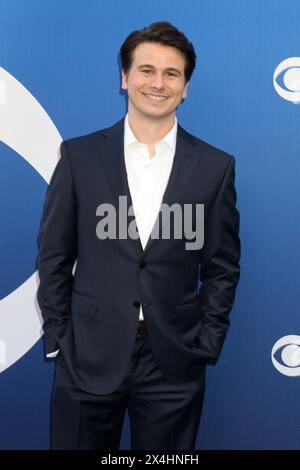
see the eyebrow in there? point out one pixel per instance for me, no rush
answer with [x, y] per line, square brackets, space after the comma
[168, 69]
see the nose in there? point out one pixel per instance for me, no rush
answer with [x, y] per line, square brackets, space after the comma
[157, 81]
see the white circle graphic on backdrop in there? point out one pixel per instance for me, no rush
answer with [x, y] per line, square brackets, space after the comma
[291, 79]
[28, 130]
[290, 355]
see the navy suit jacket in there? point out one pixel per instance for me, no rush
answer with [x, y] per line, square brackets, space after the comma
[91, 310]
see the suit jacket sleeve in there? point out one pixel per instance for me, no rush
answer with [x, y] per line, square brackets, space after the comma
[219, 272]
[57, 252]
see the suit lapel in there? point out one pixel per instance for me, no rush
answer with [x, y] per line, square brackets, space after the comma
[111, 149]
[184, 165]
[111, 153]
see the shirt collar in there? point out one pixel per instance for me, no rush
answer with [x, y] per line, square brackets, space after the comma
[169, 138]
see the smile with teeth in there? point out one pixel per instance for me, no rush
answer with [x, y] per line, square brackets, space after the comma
[155, 98]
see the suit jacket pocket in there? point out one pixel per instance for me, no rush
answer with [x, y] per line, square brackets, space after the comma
[83, 305]
[188, 321]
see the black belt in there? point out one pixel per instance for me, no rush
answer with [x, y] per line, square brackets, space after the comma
[141, 329]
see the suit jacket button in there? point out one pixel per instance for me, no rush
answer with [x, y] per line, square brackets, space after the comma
[142, 264]
[136, 304]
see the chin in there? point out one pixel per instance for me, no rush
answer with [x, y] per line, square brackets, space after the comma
[156, 112]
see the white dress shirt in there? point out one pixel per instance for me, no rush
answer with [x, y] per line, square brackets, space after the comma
[147, 178]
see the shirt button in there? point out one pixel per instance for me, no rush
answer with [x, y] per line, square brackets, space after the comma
[136, 304]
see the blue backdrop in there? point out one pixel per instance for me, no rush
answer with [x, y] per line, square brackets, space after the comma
[65, 54]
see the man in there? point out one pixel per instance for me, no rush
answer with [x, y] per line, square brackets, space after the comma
[138, 319]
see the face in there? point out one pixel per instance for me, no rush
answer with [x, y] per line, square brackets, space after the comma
[155, 82]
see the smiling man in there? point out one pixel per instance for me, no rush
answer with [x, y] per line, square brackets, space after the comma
[135, 323]
[156, 84]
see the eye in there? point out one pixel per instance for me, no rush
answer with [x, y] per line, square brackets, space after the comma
[286, 79]
[171, 74]
[286, 355]
[146, 71]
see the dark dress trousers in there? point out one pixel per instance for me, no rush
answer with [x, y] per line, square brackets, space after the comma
[91, 310]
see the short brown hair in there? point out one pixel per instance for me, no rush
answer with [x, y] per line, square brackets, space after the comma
[163, 33]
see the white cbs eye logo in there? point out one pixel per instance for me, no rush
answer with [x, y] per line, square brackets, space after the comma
[28, 130]
[291, 79]
[290, 355]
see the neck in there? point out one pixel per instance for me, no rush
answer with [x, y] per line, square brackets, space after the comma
[147, 130]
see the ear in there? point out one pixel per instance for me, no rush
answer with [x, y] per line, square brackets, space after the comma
[184, 93]
[124, 81]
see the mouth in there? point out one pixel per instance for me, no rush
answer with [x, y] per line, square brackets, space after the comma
[152, 98]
